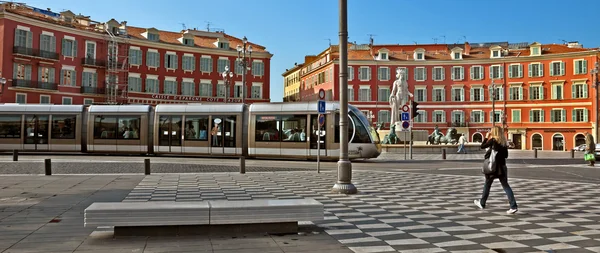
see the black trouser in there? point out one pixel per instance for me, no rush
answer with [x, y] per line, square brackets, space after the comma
[504, 181]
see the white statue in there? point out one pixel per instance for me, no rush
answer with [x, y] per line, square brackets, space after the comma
[398, 96]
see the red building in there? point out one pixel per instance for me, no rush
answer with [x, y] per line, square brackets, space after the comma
[64, 58]
[544, 93]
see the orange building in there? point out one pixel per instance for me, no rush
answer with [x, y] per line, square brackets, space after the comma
[544, 93]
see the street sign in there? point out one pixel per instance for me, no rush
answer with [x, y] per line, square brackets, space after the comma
[321, 106]
[405, 116]
[321, 94]
[405, 108]
[321, 119]
[405, 125]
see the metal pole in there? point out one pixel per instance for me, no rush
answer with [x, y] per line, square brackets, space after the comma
[319, 150]
[493, 104]
[344, 182]
[411, 142]
[405, 145]
[147, 166]
[244, 120]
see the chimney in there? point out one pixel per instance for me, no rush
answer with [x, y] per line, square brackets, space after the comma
[467, 48]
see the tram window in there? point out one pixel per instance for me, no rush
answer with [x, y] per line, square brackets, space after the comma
[361, 135]
[196, 128]
[293, 128]
[267, 128]
[63, 127]
[105, 127]
[129, 127]
[10, 126]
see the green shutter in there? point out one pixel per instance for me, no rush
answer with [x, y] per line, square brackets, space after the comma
[29, 39]
[510, 72]
[39, 74]
[573, 93]
[95, 80]
[73, 78]
[562, 68]
[541, 69]
[530, 115]
[16, 38]
[542, 115]
[585, 90]
[520, 70]
[584, 70]
[521, 93]
[585, 115]
[51, 75]
[529, 68]
[542, 92]
[564, 116]
[74, 48]
[501, 71]
[52, 44]
[577, 69]
[491, 76]
[64, 47]
[574, 115]
[471, 73]
[552, 118]
[62, 77]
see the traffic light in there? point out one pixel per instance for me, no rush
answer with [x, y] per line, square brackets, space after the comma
[414, 108]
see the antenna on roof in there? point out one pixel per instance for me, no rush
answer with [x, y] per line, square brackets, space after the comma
[208, 23]
[434, 40]
[184, 27]
[564, 41]
[444, 36]
[329, 41]
[371, 39]
[465, 37]
[415, 42]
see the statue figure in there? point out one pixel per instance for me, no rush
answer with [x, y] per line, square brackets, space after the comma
[398, 96]
[391, 138]
[434, 138]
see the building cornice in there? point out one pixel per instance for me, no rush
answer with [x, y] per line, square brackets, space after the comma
[132, 41]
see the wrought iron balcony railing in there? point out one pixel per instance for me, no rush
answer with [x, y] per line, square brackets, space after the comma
[34, 84]
[35, 52]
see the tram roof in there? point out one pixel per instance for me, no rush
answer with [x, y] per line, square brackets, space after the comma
[200, 108]
[27, 108]
[308, 107]
[120, 108]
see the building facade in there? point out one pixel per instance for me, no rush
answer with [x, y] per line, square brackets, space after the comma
[291, 84]
[542, 94]
[52, 58]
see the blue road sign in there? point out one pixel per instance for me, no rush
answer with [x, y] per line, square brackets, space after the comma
[321, 119]
[405, 116]
[321, 106]
[405, 124]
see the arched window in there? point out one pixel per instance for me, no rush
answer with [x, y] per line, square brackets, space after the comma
[579, 140]
[536, 141]
[477, 137]
[558, 142]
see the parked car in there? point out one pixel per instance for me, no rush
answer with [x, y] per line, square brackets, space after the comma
[580, 148]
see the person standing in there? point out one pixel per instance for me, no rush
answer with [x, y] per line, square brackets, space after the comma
[590, 146]
[495, 140]
[461, 144]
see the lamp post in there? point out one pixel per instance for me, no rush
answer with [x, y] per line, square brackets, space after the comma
[227, 75]
[244, 58]
[344, 182]
[594, 73]
[493, 92]
[2, 82]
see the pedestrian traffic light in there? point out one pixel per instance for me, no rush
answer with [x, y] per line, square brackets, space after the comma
[414, 108]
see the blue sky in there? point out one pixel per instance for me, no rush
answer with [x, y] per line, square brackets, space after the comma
[292, 29]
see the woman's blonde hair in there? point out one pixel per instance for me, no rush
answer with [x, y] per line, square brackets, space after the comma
[498, 134]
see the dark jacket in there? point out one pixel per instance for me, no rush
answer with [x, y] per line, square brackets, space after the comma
[502, 154]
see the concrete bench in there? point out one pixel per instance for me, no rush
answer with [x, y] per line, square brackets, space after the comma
[203, 217]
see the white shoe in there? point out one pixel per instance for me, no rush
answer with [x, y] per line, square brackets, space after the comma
[477, 202]
[511, 211]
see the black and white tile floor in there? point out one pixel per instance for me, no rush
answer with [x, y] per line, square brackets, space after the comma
[412, 212]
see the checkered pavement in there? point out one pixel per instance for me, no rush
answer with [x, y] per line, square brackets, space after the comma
[412, 212]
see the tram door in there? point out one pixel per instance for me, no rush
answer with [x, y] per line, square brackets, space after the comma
[223, 135]
[36, 132]
[314, 130]
[169, 131]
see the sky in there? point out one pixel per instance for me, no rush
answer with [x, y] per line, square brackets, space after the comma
[292, 29]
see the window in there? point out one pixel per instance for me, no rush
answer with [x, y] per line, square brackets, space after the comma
[495, 53]
[557, 91]
[88, 101]
[170, 61]
[515, 71]
[458, 94]
[439, 95]
[67, 101]
[458, 117]
[497, 116]
[580, 115]
[90, 51]
[497, 93]
[152, 86]
[421, 95]
[221, 90]
[188, 89]
[557, 68]
[46, 74]
[44, 99]
[438, 74]
[458, 73]
[364, 94]
[134, 84]
[579, 90]
[69, 47]
[196, 128]
[439, 116]
[420, 74]
[188, 63]
[384, 73]
[221, 63]
[383, 56]
[422, 117]
[188, 42]
[170, 87]
[135, 57]
[476, 73]
[63, 126]
[152, 59]
[237, 91]
[516, 116]
[206, 89]
[536, 92]
[89, 79]
[580, 67]
[21, 99]
[350, 73]
[457, 56]
[47, 44]
[258, 68]
[558, 115]
[477, 116]
[357, 130]
[496, 72]
[224, 45]
[256, 91]
[206, 65]
[536, 116]
[536, 70]
[476, 94]
[10, 126]
[515, 93]
[420, 56]
[23, 38]
[68, 77]
[267, 128]
[364, 73]
[22, 71]
[153, 37]
[117, 127]
[535, 51]
[293, 128]
[350, 94]
[383, 94]
[383, 116]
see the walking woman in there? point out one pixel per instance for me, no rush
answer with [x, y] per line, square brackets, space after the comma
[590, 147]
[495, 140]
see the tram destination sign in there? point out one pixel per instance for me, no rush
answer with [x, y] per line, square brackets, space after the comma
[194, 98]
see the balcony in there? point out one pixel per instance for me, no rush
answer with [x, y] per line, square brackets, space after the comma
[458, 124]
[93, 62]
[34, 84]
[93, 90]
[35, 52]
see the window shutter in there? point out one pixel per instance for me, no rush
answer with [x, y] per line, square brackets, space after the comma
[95, 80]
[29, 39]
[16, 37]
[471, 73]
[368, 74]
[520, 93]
[51, 75]
[39, 74]
[73, 78]
[584, 70]
[148, 59]
[551, 69]
[453, 94]
[471, 94]
[74, 48]
[541, 67]
[585, 115]
[192, 63]
[52, 44]
[166, 61]
[562, 68]
[462, 73]
[585, 90]
[531, 92]
[452, 74]
[564, 116]
[552, 118]
[491, 71]
[443, 74]
[481, 72]
[541, 115]
[542, 91]
[576, 69]
[64, 47]
[424, 74]
[510, 72]
[530, 115]
[529, 68]
[574, 115]
[573, 93]
[520, 70]
[62, 77]
[501, 71]
[462, 94]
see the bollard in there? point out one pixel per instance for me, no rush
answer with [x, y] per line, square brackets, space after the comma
[48, 167]
[535, 153]
[572, 153]
[242, 165]
[443, 154]
[15, 155]
[147, 166]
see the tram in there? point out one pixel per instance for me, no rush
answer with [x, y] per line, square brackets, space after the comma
[274, 130]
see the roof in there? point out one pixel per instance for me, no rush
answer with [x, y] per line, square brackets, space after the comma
[28, 108]
[294, 107]
[200, 108]
[120, 108]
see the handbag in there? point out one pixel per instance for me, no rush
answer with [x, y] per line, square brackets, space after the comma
[589, 157]
[489, 164]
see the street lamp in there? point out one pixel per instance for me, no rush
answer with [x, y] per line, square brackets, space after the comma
[493, 92]
[2, 82]
[594, 73]
[227, 75]
[243, 61]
